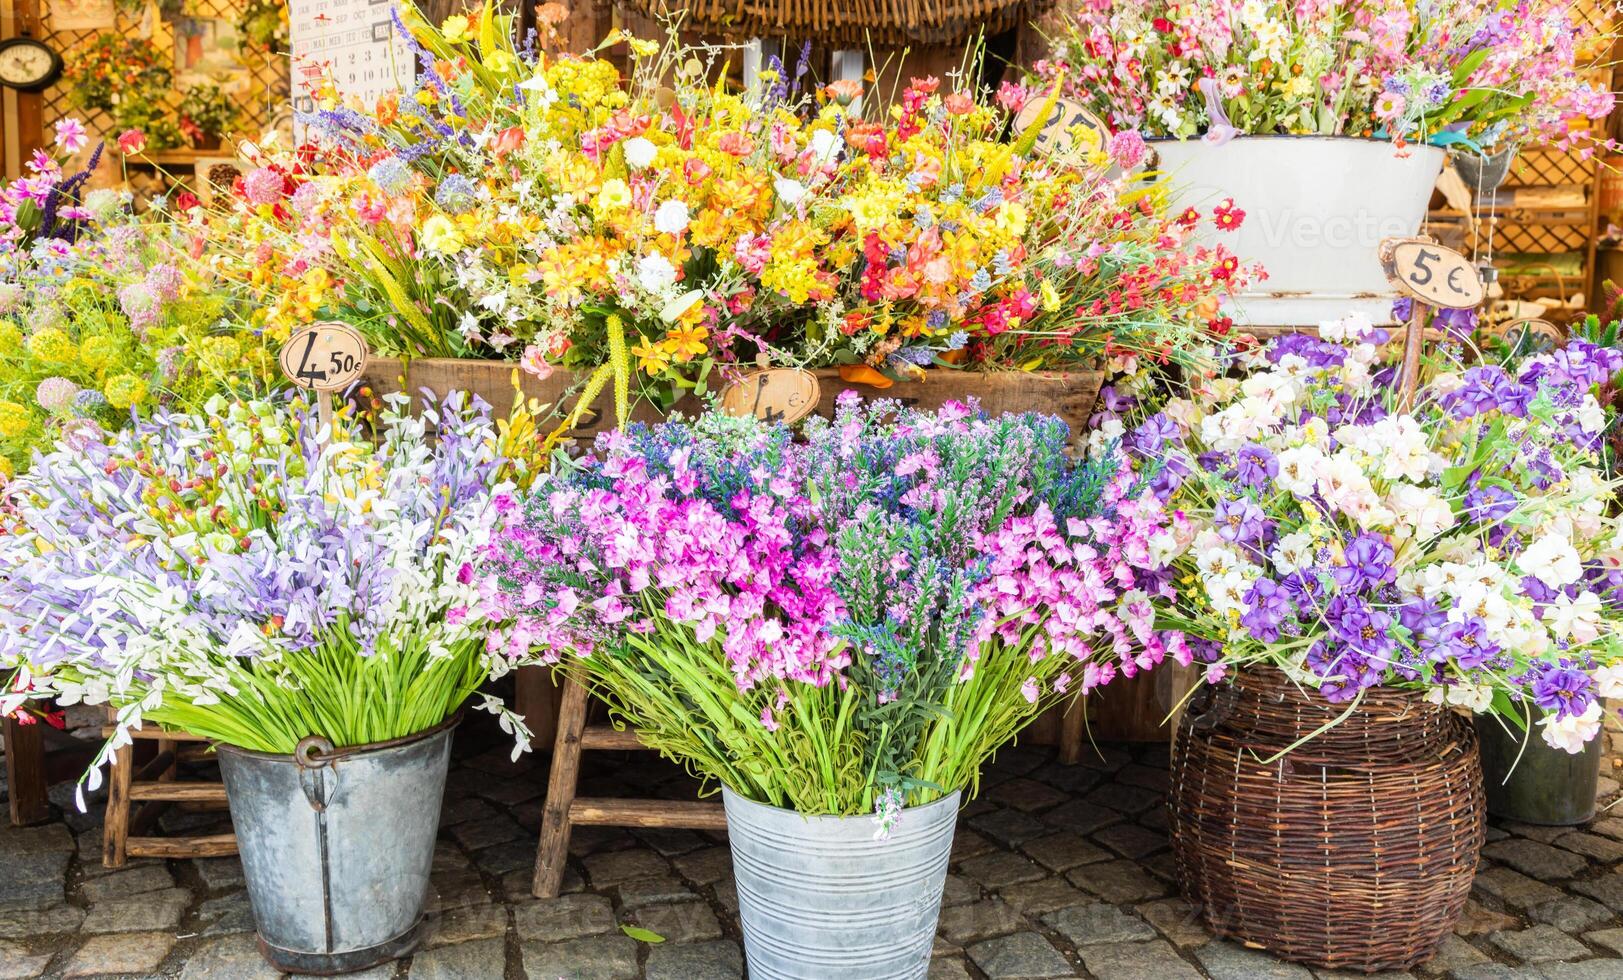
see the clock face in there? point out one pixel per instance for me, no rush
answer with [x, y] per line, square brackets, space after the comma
[27, 64]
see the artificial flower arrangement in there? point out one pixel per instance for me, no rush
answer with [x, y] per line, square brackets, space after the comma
[105, 315]
[1486, 73]
[129, 78]
[841, 624]
[249, 577]
[1465, 547]
[207, 114]
[521, 205]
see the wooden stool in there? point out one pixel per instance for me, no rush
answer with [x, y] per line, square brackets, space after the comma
[155, 788]
[563, 810]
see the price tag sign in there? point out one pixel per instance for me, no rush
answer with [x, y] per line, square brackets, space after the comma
[325, 356]
[1432, 274]
[1058, 133]
[775, 395]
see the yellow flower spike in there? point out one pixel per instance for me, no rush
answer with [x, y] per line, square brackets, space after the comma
[622, 368]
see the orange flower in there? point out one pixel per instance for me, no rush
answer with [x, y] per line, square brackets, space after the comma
[845, 91]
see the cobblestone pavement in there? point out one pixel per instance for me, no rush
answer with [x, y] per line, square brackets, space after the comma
[1057, 872]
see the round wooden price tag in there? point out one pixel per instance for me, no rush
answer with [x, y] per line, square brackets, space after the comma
[327, 356]
[1056, 136]
[775, 395]
[1431, 273]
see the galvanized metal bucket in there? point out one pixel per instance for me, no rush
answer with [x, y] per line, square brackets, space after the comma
[1538, 784]
[819, 897]
[337, 845]
[1316, 209]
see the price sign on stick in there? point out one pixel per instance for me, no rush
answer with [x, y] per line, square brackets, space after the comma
[1430, 275]
[1056, 136]
[324, 357]
[775, 395]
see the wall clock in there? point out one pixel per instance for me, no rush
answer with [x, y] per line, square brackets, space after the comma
[28, 65]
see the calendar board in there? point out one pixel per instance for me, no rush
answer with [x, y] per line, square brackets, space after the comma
[352, 41]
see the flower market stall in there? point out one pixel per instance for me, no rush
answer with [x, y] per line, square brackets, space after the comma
[837, 446]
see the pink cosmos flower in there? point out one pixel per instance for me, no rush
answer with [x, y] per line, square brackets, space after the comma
[534, 363]
[71, 135]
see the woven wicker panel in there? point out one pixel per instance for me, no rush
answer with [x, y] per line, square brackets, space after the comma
[850, 22]
[264, 95]
[1355, 850]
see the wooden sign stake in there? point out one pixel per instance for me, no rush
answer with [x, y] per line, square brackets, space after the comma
[324, 357]
[1432, 276]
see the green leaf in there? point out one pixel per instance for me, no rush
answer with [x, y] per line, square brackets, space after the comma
[642, 935]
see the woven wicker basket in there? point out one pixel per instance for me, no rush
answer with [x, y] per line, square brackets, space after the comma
[852, 22]
[1355, 850]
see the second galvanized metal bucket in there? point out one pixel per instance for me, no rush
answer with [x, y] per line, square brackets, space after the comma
[1537, 783]
[337, 845]
[819, 897]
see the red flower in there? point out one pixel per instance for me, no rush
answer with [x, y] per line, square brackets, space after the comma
[1189, 218]
[132, 141]
[1225, 269]
[186, 200]
[1220, 326]
[1226, 216]
[1162, 24]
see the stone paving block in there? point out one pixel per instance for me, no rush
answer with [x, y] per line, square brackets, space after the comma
[1022, 956]
[1081, 817]
[1573, 913]
[229, 958]
[465, 924]
[959, 890]
[475, 834]
[17, 963]
[1454, 953]
[33, 879]
[1130, 840]
[1024, 793]
[43, 839]
[671, 842]
[654, 891]
[1611, 939]
[135, 952]
[1105, 757]
[1499, 971]
[1177, 920]
[966, 843]
[482, 959]
[706, 866]
[1086, 925]
[455, 889]
[220, 873]
[1226, 961]
[597, 958]
[1610, 826]
[1540, 944]
[1119, 882]
[1008, 826]
[512, 856]
[1592, 845]
[966, 924]
[611, 868]
[154, 911]
[683, 922]
[1543, 835]
[1607, 890]
[549, 920]
[1064, 850]
[463, 809]
[1586, 970]
[1535, 859]
[125, 882]
[27, 923]
[1154, 960]
[947, 968]
[1125, 799]
[720, 960]
[1000, 869]
[1515, 889]
[1360, 975]
[226, 914]
[1034, 898]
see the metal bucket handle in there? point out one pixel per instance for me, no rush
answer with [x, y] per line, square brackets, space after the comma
[313, 754]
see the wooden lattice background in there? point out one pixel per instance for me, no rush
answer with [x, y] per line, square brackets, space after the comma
[260, 100]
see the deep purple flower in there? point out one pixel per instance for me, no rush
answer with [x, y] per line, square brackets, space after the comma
[1360, 625]
[1268, 605]
[1566, 691]
[1468, 644]
[1256, 467]
[1153, 435]
[1420, 615]
[1367, 563]
[1242, 522]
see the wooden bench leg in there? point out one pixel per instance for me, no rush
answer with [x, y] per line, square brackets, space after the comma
[553, 851]
[115, 833]
[25, 773]
[1072, 729]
